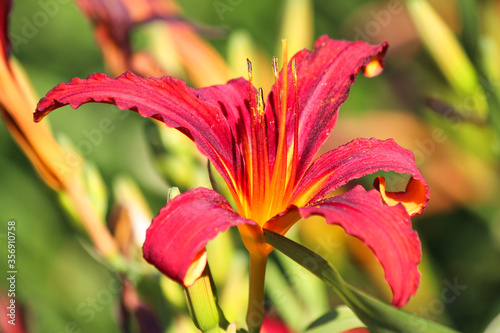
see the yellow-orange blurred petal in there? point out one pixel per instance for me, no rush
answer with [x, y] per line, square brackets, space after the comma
[142, 10]
[16, 105]
[51, 162]
[17, 102]
[204, 65]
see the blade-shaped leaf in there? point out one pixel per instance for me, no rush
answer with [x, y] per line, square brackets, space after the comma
[469, 12]
[443, 47]
[336, 320]
[284, 296]
[378, 316]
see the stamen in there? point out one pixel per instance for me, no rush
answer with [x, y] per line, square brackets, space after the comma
[275, 68]
[251, 145]
[285, 77]
[260, 102]
[250, 71]
[294, 71]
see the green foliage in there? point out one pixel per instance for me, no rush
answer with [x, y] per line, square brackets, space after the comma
[376, 315]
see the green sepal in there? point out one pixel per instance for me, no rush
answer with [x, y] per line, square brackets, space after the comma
[202, 304]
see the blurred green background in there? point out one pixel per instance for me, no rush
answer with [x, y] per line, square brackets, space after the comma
[64, 287]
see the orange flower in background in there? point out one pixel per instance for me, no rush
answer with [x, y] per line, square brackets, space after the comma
[114, 21]
[17, 101]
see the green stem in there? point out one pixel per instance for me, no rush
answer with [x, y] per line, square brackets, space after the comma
[255, 312]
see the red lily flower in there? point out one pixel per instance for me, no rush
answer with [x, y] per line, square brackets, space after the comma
[265, 152]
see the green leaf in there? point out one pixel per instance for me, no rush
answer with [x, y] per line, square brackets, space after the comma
[444, 47]
[376, 315]
[469, 12]
[337, 320]
[305, 285]
[284, 296]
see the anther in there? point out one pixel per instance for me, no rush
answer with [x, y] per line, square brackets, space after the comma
[275, 68]
[250, 72]
[294, 70]
[260, 101]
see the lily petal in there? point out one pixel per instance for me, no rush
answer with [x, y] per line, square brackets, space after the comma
[233, 100]
[411, 198]
[5, 8]
[166, 99]
[359, 158]
[324, 77]
[386, 230]
[175, 241]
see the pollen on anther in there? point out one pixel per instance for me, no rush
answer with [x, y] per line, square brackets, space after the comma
[260, 102]
[250, 72]
[294, 70]
[275, 68]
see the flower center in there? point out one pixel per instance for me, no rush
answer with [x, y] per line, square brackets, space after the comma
[270, 181]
